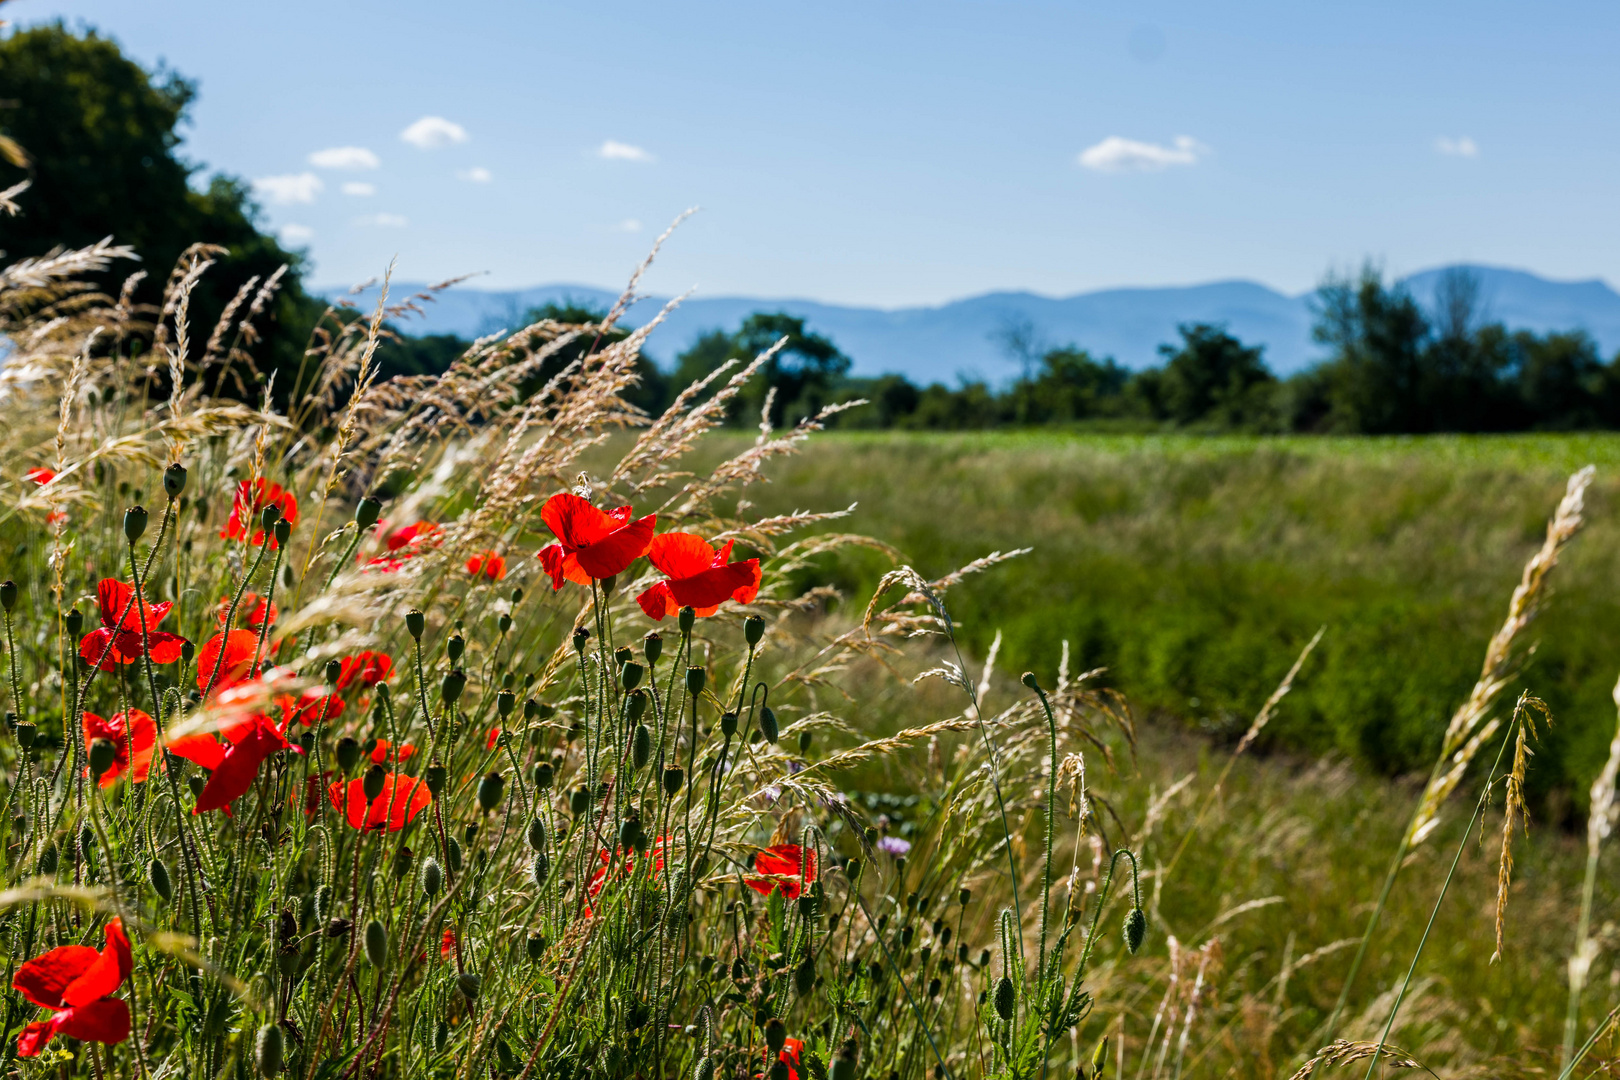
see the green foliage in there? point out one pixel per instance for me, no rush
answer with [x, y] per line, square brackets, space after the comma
[804, 374]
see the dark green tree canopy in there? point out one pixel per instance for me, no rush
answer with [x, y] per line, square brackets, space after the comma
[805, 373]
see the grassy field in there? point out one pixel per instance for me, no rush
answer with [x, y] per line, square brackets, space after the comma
[1194, 569]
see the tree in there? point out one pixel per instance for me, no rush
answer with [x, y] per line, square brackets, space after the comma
[1215, 380]
[1374, 378]
[651, 392]
[101, 140]
[1069, 385]
[805, 373]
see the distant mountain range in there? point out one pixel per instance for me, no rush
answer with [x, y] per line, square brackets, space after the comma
[965, 338]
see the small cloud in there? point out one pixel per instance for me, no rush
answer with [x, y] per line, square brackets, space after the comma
[293, 188]
[618, 151]
[629, 224]
[475, 175]
[1461, 146]
[344, 157]
[359, 187]
[1118, 154]
[383, 221]
[296, 234]
[434, 132]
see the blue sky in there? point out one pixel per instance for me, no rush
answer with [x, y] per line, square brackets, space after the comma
[896, 153]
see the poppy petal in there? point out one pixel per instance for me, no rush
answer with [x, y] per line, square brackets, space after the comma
[611, 554]
[680, 554]
[111, 968]
[231, 654]
[203, 750]
[574, 520]
[103, 1021]
[97, 649]
[739, 581]
[43, 979]
[163, 648]
[658, 602]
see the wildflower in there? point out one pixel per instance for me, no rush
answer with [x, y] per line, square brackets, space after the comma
[379, 756]
[591, 544]
[254, 612]
[40, 476]
[246, 521]
[309, 708]
[494, 737]
[599, 875]
[415, 537]
[893, 845]
[402, 798]
[782, 865]
[77, 983]
[234, 764]
[447, 945]
[118, 640]
[487, 563]
[369, 667]
[133, 734]
[232, 654]
[312, 793]
[789, 1055]
[699, 577]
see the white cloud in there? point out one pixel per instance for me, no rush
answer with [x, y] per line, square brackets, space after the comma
[344, 157]
[359, 187]
[292, 188]
[618, 151]
[434, 132]
[1461, 146]
[628, 225]
[297, 234]
[475, 175]
[1119, 154]
[383, 221]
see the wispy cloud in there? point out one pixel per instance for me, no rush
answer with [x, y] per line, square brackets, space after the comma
[383, 221]
[292, 188]
[475, 175]
[1119, 154]
[344, 157]
[629, 224]
[1462, 146]
[434, 132]
[296, 234]
[359, 187]
[618, 151]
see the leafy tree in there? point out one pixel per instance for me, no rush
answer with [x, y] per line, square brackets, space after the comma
[1068, 385]
[1374, 378]
[651, 393]
[1213, 379]
[1561, 383]
[805, 373]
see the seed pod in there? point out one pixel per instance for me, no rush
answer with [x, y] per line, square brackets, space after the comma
[1005, 996]
[283, 530]
[452, 854]
[158, 875]
[728, 724]
[505, 702]
[852, 869]
[415, 623]
[174, 481]
[469, 984]
[807, 906]
[372, 783]
[609, 584]
[333, 671]
[579, 801]
[695, 678]
[630, 674]
[366, 513]
[640, 747]
[268, 518]
[490, 790]
[582, 634]
[687, 617]
[652, 647]
[348, 753]
[432, 877]
[964, 895]
[674, 777]
[543, 775]
[535, 946]
[804, 978]
[1135, 929]
[47, 859]
[775, 1035]
[187, 649]
[630, 833]
[454, 683]
[455, 647]
[376, 941]
[267, 1049]
[768, 725]
[72, 622]
[541, 869]
[636, 706]
[434, 777]
[503, 622]
[134, 522]
[25, 734]
[8, 596]
[402, 863]
[753, 630]
[804, 741]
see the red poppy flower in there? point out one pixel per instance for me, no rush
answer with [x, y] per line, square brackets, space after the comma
[415, 537]
[369, 667]
[487, 563]
[40, 476]
[402, 798]
[233, 764]
[494, 737]
[599, 875]
[254, 612]
[379, 756]
[447, 944]
[312, 794]
[789, 1056]
[699, 576]
[133, 733]
[309, 708]
[77, 983]
[246, 520]
[232, 654]
[590, 544]
[118, 639]
[782, 866]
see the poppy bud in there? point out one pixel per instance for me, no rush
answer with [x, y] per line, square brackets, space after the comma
[695, 678]
[376, 941]
[490, 790]
[134, 522]
[579, 801]
[852, 869]
[542, 776]
[768, 725]
[415, 623]
[158, 875]
[334, 671]
[25, 735]
[674, 777]
[455, 647]
[984, 958]
[441, 1036]
[454, 683]
[906, 934]
[517, 596]
[779, 1070]
[505, 702]
[434, 776]
[1005, 998]
[469, 984]
[775, 1035]
[452, 854]
[640, 747]
[541, 869]
[366, 513]
[267, 517]
[537, 834]
[804, 741]
[402, 863]
[283, 530]
[964, 896]
[705, 1068]
[652, 647]
[1099, 1058]
[630, 674]
[187, 648]
[432, 877]
[609, 584]
[753, 630]
[196, 784]
[686, 618]
[174, 481]
[102, 753]
[503, 622]
[536, 946]
[629, 833]
[581, 636]
[72, 622]
[1135, 929]
[8, 597]
[372, 783]
[336, 928]
[267, 1049]
[804, 977]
